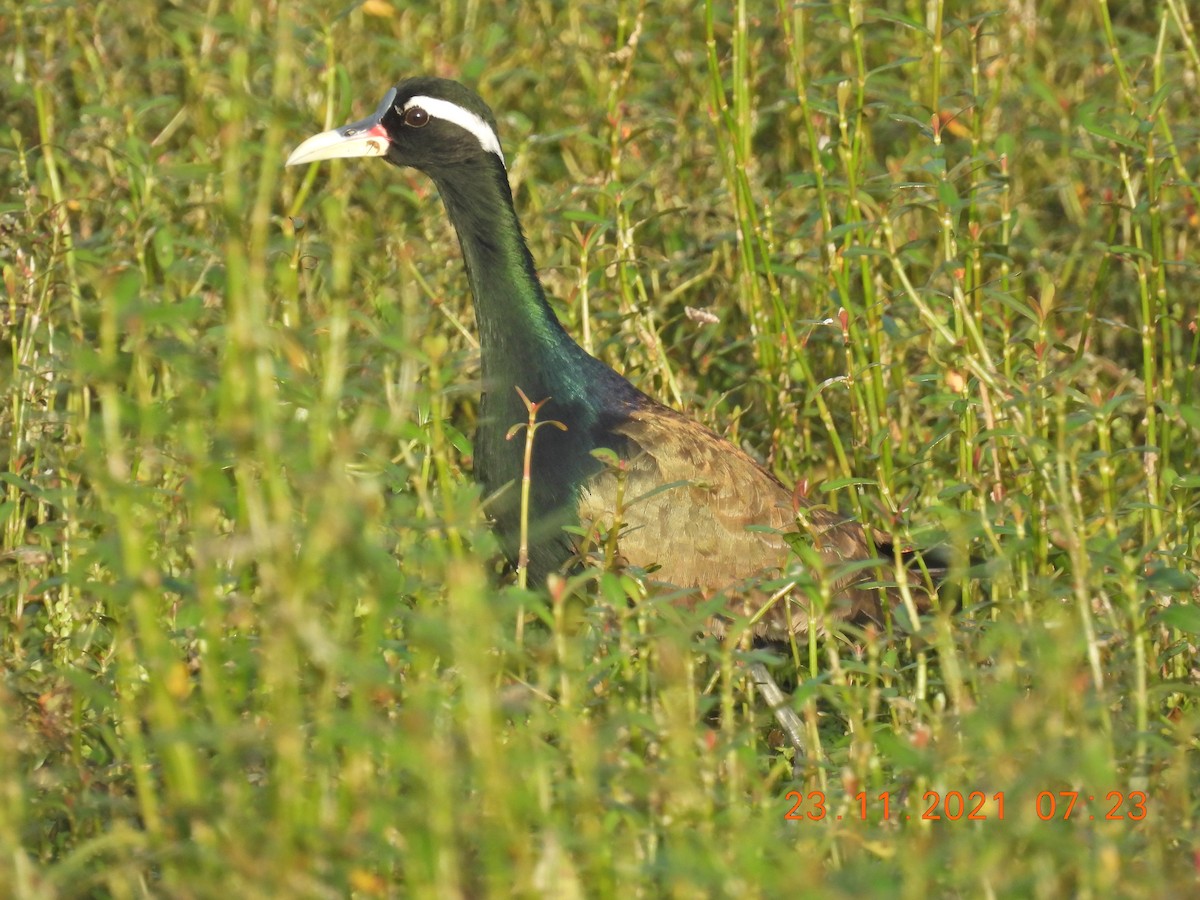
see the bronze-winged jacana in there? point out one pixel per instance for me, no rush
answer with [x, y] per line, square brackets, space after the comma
[693, 534]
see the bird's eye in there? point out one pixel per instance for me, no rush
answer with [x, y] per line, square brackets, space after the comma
[416, 117]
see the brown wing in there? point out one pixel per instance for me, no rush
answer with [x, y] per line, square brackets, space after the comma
[689, 497]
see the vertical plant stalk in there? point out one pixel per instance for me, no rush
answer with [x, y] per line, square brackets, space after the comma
[530, 427]
[1144, 202]
[635, 299]
[771, 324]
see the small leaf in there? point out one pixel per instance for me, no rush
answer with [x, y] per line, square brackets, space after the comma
[458, 440]
[948, 195]
[607, 455]
[837, 484]
[1120, 140]
[1191, 415]
[1167, 580]
[1183, 616]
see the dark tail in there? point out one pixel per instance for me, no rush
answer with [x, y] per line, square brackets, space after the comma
[950, 577]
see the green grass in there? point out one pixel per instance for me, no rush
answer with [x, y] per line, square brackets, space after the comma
[251, 639]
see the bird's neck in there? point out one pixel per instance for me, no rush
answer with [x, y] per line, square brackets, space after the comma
[522, 342]
[522, 345]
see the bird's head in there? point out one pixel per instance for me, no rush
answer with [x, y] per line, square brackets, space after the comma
[429, 124]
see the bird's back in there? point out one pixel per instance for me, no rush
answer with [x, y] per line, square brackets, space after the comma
[704, 516]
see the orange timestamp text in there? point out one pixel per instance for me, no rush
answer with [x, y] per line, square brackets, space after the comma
[972, 806]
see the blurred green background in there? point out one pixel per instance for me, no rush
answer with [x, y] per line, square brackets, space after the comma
[253, 640]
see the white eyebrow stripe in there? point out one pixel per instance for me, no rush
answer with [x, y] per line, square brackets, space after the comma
[463, 118]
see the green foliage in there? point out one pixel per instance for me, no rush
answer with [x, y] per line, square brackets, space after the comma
[941, 270]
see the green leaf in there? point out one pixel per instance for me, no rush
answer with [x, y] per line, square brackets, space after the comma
[1182, 616]
[1108, 134]
[948, 195]
[458, 440]
[1191, 415]
[838, 483]
[1172, 479]
[607, 456]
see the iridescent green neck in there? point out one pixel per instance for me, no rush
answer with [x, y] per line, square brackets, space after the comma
[522, 341]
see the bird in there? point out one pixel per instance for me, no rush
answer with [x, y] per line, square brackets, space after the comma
[693, 510]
